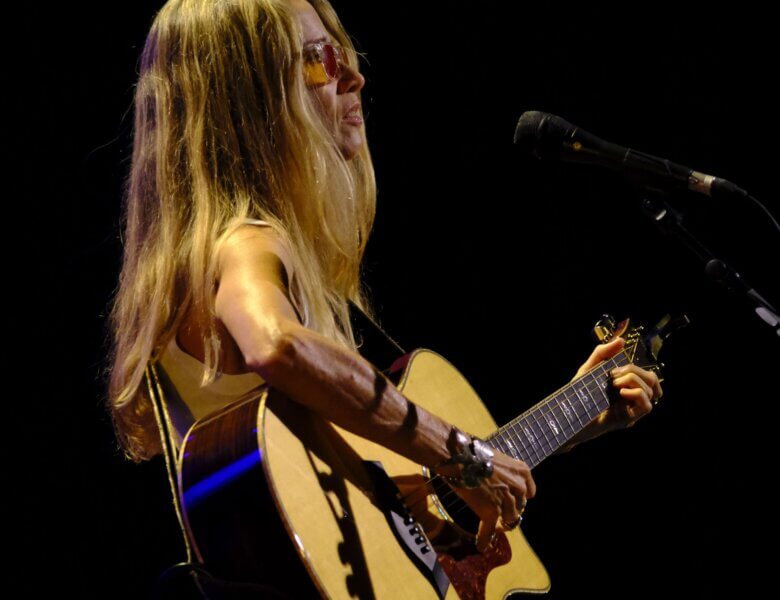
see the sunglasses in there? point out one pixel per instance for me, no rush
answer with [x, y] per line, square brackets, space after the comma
[323, 63]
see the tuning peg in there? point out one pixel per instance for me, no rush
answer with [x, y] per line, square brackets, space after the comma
[657, 369]
[675, 325]
[604, 329]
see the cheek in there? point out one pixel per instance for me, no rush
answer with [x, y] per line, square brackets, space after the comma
[327, 103]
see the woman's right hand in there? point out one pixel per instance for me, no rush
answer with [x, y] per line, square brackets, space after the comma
[503, 495]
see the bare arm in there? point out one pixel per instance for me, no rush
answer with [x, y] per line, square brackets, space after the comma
[308, 367]
[340, 384]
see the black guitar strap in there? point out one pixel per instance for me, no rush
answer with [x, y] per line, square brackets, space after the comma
[375, 345]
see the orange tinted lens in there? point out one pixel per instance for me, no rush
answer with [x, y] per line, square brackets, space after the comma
[315, 73]
[323, 63]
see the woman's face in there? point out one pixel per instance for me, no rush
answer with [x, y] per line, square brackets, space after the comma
[339, 98]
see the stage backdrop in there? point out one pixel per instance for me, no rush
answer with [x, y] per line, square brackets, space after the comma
[496, 260]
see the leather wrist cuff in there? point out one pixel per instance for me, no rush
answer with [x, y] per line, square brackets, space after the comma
[473, 454]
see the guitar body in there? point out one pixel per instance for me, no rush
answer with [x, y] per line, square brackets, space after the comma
[269, 457]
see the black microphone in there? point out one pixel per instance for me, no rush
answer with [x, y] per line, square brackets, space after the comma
[547, 137]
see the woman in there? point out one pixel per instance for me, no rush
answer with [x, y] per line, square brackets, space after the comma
[249, 205]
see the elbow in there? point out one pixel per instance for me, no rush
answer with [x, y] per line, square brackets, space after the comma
[279, 353]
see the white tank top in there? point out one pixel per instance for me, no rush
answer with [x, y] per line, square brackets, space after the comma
[185, 372]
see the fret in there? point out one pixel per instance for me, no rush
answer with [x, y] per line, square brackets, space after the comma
[572, 409]
[541, 424]
[566, 411]
[508, 447]
[553, 428]
[602, 384]
[500, 437]
[519, 438]
[554, 424]
[540, 431]
[530, 437]
[568, 421]
[592, 389]
[539, 427]
[514, 452]
[620, 360]
[584, 397]
[500, 446]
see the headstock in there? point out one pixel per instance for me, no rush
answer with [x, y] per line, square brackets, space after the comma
[642, 346]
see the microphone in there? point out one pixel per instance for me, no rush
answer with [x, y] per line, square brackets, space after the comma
[547, 137]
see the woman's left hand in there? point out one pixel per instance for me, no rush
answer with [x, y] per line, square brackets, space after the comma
[639, 389]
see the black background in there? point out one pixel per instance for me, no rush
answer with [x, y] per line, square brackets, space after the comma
[498, 261]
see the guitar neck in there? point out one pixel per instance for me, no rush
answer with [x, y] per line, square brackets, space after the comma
[544, 428]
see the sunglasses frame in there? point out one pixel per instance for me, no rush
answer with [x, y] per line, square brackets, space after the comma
[314, 62]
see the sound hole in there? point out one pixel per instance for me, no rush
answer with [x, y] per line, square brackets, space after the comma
[455, 507]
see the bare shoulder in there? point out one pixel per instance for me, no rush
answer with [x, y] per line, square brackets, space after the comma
[253, 299]
[258, 249]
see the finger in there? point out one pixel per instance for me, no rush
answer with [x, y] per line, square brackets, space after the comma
[485, 534]
[649, 377]
[655, 383]
[509, 509]
[530, 485]
[639, 403]
[527, 491]
[601, 353]
[632, 380]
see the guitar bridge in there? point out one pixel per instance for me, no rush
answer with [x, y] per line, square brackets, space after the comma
[407, 531]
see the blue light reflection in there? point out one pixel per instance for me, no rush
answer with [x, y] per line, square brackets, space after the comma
[226, 475]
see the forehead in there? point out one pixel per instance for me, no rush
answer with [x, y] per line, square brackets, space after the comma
[310, 22]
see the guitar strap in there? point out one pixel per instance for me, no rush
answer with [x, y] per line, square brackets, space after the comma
[374, 344]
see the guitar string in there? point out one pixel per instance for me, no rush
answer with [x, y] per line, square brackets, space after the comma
[539, 409]
[458, 505]
[456, 509]
[535, 409]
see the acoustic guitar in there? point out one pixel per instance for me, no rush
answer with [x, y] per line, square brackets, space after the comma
[271, 492]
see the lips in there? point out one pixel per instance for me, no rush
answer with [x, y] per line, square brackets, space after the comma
[354, 111]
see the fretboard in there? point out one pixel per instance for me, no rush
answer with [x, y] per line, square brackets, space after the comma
[544, 428]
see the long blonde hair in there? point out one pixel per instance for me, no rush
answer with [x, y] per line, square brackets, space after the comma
[226, 129]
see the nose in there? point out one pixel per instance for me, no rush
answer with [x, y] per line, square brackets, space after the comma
[351, 80]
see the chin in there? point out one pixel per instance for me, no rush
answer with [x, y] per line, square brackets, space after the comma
[348, 154]
[351, 143]
[349, 151]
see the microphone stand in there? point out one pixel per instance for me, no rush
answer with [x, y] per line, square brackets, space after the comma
[669, 221]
